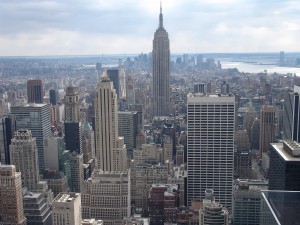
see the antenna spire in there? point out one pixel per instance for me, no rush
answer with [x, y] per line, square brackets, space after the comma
[160, 17]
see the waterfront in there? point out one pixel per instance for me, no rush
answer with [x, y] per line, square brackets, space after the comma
[259, 68]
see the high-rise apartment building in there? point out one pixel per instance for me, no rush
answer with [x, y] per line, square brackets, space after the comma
[210, 146]
[11, 202]
[110, 148]
[7, 130]
[35, 92]
[161, 70]
[267, 129]
[36, 118]
[66, 209]
[107, 197]
[23, 154]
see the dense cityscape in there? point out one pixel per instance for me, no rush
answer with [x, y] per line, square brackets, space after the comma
[154, 138]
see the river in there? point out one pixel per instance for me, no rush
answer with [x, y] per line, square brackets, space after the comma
[258, 68]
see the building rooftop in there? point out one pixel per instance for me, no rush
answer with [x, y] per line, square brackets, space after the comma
[66, 197]
[279, 148]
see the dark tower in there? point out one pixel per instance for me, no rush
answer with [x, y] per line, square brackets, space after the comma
[35, 93]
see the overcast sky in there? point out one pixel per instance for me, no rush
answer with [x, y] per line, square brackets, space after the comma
[81, 27]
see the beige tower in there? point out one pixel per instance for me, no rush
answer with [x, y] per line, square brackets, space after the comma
[72, 105]
[107, 197]
[161, 70]
[267, 129]
[110, 149]
[11, 201]
[66, 209]
[23, 154]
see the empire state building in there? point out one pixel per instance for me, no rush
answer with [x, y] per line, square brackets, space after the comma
[161, 70]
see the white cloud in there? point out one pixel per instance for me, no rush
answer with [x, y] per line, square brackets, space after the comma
[56, 27]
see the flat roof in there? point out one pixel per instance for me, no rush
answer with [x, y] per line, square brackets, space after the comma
[278, 147]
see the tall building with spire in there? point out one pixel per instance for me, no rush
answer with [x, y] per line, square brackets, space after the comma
[161, 70]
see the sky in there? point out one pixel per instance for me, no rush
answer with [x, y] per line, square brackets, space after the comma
[94, 27]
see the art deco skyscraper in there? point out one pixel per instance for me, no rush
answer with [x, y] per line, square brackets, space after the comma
[23, 154]
[210, 146]
[161, 70]
[110, 148]
[72, 123]
[72, 105]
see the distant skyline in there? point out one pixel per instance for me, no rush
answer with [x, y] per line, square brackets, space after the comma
[79, 27]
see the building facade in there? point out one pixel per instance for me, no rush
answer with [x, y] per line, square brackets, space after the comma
[161, 70]
[210, 146]
[23, 154]
[66, 209]
[107, 197]
[110, 149]
[267, 129]
[285, 166]
[35, 92]
[128, 128]
[11, 203]
[212, 212]
[7, 130]
[246, 201]
[37, 119]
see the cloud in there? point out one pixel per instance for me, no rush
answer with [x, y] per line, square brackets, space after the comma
[44, 27]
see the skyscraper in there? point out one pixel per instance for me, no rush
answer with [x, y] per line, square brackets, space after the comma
[110, 148]
[72, 105]
[161, 70]
[210, 146]
[11, 203]
[23, 154]
[113, 75]
[36, 118]
[35, 92]
[267, 129]
[128, 127]
[7, 130]
[72, 123]
[53, 96]
[284, 169]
